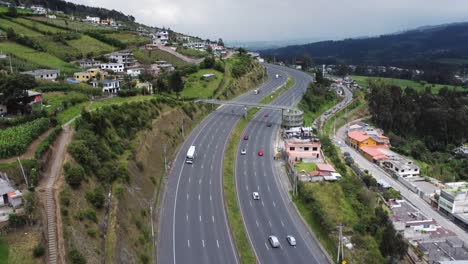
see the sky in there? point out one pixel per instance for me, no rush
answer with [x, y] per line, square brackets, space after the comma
[278, 20]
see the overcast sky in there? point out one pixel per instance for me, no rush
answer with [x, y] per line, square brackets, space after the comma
[259, 20]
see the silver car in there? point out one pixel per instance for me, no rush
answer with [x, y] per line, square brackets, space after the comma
[243, 151]
[291, 240]
[256, 196]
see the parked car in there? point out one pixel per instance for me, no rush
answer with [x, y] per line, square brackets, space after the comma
[260, 152]
[291, 240]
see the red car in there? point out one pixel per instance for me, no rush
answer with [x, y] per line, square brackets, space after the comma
[266, 115]
[260, 152]
[246, 137]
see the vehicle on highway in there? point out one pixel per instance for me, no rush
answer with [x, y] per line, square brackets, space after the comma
[260, 152]
[277, 76]
[291, 240]
[190, 155]
[256, 196]
[269, 125]
[246, 137]
[266, 115]
[274, 242]
[256, 91]
[243, 151]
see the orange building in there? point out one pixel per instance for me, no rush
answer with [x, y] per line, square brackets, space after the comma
[358, 139]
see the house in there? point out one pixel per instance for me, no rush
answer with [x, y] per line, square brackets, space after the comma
[124, 57]
[111, 86]
[89, 75]
[8, 195]
[358, 139]
[373, 153]
[161, 38]
[89, 63]
[200, 45]
[454, 198]
[324, 172]
[302, 149]
[298, 132]
[399, 165]
[94, 20]
[107, 21]
[115, 67]
[51, 16]
[134, 72]
[38, 9]
[43, 74]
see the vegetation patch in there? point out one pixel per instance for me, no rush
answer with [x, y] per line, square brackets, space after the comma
[129, 38]
[19, 29]
[196, 86]
[148, 57]
[191, 52]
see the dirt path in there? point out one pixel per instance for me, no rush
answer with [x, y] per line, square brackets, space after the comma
[180, 56]
[49, 196]
[29, 154]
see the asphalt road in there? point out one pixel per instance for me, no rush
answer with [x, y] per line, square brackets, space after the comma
[193, 225]
[273, 214]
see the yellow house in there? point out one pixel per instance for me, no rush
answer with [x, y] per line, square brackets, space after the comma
[90, 75]
[359, 139]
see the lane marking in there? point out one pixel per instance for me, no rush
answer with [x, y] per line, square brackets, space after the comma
[268, 187]
[256, 222]
[199, 197]
[186, 217]
[188, 243]
[266, 246]
[212, 218]
[199, 217]
[188, 196]
[263, 204]
[258, 187]
[203, 242]
[217, 242]
[210, 197]
[199, 181]
[270, 223]
[210, 181]
[274, 204]
[188, 179]
[250, 203]
[282, 223]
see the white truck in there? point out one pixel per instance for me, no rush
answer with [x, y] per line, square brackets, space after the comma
[190, 155]
[277, 76]
[256, 91]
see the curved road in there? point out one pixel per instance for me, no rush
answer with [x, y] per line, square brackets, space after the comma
[273, 214]
[193, 224]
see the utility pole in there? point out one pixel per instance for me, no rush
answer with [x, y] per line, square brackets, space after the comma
[340, 246]
[24, 174]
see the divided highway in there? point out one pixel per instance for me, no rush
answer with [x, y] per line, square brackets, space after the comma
[193, 225]
[273, 213]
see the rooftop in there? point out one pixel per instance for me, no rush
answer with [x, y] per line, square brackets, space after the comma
[41, 72]
[325, 167]
[358, 135]
[375, 151]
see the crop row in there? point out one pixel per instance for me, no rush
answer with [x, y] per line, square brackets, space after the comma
[15, 140]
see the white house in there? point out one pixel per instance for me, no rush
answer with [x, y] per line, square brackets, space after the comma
[43, 74]
[37, 9]
[162, 37]
[195, 45]
[124, 57]
[95, 20]
[454, 199]
[115, 67]
[134, 72]
[399, 165]
[111, 86]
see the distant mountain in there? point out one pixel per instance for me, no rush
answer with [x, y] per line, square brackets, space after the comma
[263, 45]
[446, 44]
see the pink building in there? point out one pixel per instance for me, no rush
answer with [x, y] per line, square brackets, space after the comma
[306, 149]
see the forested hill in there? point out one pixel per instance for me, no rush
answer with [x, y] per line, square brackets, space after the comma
[442, 44]
[77, 9]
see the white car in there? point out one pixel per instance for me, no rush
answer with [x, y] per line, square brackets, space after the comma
[291, 240]
[274, 242]
[256, 196]
[243, 151]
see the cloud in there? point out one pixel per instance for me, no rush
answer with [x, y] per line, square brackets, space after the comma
[248, 20]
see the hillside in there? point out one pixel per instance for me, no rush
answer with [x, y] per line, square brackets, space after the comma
[445, 44]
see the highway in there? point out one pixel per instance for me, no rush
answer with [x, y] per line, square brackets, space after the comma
[193, 225]
[273, 213]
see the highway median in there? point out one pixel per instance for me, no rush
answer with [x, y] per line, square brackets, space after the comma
[236, 223]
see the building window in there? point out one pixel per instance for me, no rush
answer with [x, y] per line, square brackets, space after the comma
[292, 148]
[314, 148]
[306, 148]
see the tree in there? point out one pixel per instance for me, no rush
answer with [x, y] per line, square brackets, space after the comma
[241, 51]
[161, 85]
[73, 175]
[96, 197]
[209, 49]
[176, 83]
[220, 42]
[12, 12]
[13, 91]
[306, 62]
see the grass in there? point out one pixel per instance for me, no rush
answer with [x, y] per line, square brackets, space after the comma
[38, 25]
[3, 251]
[21, 247]
[309, 116]
[52, 100]
[357, 108]
[19, 29]
[40, 58]
[72, 25]
[230, 195]
[419, 86]
[87, 44]
[129, 38]
[192, 52]
[4, 9]
[304, 166]
[74, 111]
[268, 99]
[196, 87]
[147, 57]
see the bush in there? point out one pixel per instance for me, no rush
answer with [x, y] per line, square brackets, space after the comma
[45, 144]
[73, 175]
[76, 257]
[92, 232]
[38, 250]
[96, 197]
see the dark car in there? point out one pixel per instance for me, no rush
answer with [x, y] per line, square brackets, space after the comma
[269, 125]
[246, 137]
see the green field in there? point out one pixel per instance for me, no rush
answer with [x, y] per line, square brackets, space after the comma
[87, 44]
[129, 38]
[3, 251]
[38, 25]
[419, 86]
[72, 25]
[195, 87]
[303, 166]
[147, 57]
[192, 52]
[40, 58]
[19, 29]
[4, 9]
